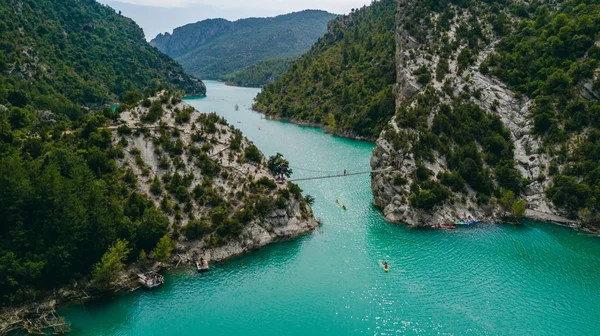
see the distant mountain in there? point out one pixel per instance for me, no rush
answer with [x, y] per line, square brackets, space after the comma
[211, 49]
[345, 81]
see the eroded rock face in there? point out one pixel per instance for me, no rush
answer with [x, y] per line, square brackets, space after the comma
[196, 146]
[493, 97]
[283, 224]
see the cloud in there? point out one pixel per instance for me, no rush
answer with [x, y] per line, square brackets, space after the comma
[159, 3]
[336, 6]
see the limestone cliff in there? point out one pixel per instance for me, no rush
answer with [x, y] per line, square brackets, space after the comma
[201, 171]
[438, 69]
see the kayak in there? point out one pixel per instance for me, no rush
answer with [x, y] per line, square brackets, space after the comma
[385, 268]
[471, 222]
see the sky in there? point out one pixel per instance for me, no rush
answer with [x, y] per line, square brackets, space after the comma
[159, 16]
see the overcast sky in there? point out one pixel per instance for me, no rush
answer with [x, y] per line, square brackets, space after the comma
[159, 16]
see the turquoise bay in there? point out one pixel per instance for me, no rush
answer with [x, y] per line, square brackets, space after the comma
[532, 279]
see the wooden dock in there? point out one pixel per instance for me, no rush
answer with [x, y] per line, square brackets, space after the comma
[150, 279]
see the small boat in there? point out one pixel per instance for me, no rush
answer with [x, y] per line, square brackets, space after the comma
[449, 227]
[150, 279]
[468, 223]
[202, 266]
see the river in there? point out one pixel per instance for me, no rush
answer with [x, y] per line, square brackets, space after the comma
[532, 279]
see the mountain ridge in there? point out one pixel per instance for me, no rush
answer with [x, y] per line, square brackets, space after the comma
[81, 52]
[216, 47]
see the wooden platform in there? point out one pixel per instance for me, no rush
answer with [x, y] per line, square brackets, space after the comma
[150, 279]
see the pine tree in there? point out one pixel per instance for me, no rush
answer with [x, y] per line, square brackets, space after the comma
[163, 249]
[108, 268]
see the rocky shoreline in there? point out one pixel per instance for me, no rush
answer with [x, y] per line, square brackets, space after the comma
[255, 236]
[281, 225]
[391, 190]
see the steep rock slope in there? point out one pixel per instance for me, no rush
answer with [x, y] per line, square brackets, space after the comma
[211, 182]
[211, 49]
[461, 140]
[55, 53]
[345, 81]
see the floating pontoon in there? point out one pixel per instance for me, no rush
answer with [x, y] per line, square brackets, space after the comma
[150, 279]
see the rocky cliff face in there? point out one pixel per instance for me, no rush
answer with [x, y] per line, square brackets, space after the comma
[443, 64]
[191, 36]
[196, 168]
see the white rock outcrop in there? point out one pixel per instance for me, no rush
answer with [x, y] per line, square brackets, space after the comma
[494, 97]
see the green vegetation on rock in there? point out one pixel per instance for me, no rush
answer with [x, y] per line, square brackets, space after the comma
[63, 202]
[112, 263]
[553, 58]
[345, 81]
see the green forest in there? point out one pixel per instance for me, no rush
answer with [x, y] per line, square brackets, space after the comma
[260, 73]
[63, 201]
[552, 56]
[214, 48]
[62, 55]
[345, 81]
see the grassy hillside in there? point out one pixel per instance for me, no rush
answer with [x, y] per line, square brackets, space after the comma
[58, 55]
[213, 48]
[345, 81]
[260, 73]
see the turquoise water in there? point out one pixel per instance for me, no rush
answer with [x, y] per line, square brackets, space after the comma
[532, 279]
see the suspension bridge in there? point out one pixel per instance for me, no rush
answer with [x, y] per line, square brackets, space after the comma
[341, 175]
